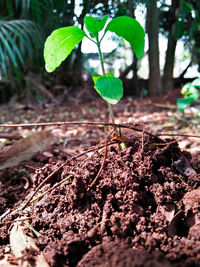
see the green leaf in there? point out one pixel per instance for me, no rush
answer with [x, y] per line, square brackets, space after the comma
[95, 77]
[94, 25]
[8, 49]
[194, 92]
[186, 88]
[196, 82]
[13, 44]
[3, 60]
[189, 90]
[109, 74]
[130, 30]
[60, 44]
[182, 103]
[110, 89]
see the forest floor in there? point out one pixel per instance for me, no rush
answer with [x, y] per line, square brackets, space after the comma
[78, 195]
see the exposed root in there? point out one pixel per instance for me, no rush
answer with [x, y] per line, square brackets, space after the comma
[102, 165]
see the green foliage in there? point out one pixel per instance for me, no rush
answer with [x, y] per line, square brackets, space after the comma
[110, 89]
[95, 77]
[131, 31]
[191, 93]
[94, 25]
[62, 41]
[60, 44]
[17, 40]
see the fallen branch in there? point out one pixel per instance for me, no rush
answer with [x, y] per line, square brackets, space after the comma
[132, 126]
[183, 135]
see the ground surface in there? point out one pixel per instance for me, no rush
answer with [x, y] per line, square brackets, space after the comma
[142, 209]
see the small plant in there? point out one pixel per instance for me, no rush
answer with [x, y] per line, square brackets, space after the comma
[62, 41]
[191, 93]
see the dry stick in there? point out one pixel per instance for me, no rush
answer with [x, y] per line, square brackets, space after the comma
[127, 126]
[42, 183]
[101, 124]
[183, 135]
[52, 188]
[102, 165]
[61, 123]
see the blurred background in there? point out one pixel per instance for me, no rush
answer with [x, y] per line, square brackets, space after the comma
[172, 48]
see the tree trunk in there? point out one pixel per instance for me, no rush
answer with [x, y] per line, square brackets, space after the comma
[134, 66]
[78, 62]
[167, 79]
[154, 84]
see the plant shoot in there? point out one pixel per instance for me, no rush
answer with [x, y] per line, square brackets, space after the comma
[62, 41]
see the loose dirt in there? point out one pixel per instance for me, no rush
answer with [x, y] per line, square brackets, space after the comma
[142, 211]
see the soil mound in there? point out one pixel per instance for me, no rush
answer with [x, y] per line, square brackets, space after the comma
[136, 214]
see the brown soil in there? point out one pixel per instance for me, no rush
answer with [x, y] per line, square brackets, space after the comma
[142, 211]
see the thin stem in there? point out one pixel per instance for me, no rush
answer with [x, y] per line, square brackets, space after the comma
[90, 39]
[104, 74]
[102, 37]
[101, 57]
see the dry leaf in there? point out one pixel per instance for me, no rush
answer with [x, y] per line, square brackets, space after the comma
[168, 211]
[176, 226]
[25, 148]
[20, 243]
[8, 261]
[184, 167]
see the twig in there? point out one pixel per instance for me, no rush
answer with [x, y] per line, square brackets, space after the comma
[102, 165]
[52, 188]
[61, 123]
[100, 124]
[183, 135]
[42, 183]
[153, 145]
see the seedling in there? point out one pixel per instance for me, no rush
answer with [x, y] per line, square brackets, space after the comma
[62, 41]
[191, 93]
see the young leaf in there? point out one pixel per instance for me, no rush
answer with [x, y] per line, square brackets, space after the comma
[194, 92]
[186, 89]
[95, 77]
[182, 103]
[94, 25]
[110, 89]
[60, 44]
[196, 82]
[130, 30]
[109, 74]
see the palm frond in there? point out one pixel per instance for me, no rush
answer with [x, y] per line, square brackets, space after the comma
[18, 39]
[3, 60]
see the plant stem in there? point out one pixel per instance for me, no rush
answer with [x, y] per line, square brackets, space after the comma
[104, 74]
